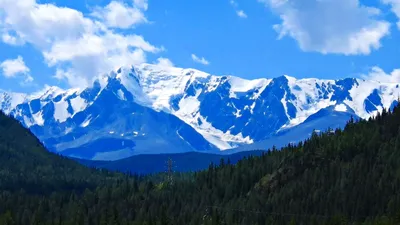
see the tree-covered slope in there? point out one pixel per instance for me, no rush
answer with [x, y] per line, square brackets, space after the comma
[26, 165]
[338, 177]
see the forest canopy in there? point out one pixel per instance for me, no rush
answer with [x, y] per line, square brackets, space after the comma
[349, 176]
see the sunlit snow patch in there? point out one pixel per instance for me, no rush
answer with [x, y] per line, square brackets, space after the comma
[38, 118]
[78, 104]
[341, 108]
[61, 113]
[86, 122]
[121, 95]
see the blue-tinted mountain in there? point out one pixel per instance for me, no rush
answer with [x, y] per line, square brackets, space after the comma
[182, 162]
[324, 120]
[152, 109]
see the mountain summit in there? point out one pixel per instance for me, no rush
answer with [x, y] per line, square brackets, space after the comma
[156, 109]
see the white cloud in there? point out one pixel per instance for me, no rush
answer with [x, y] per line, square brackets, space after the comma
[88, 45]
[15, 67]
[233, 3]
[11, 39]
[241, 14]
[127, 58]
[377, 74]
[98, 64]
[79, 47]
[42, 24]
[8, 39]
[395, 4]
[164, 62]
[141, 4]
[120, 15]
[201, 60]
[71, 78]
[330, 26]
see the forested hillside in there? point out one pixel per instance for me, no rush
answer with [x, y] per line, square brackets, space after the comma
[157, 163]
[337, 177]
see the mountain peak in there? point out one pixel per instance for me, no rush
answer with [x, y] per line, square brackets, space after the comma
[290, 78]
[48, 92]
[226, 111]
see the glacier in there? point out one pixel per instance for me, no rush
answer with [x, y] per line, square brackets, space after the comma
[148, 109]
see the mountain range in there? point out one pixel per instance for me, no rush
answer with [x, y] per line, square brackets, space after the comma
[158, 163]
[152, 109]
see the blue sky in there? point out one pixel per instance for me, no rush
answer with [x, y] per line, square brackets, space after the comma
[67, 43]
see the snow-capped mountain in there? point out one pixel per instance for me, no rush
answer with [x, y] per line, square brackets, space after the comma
[155, 109]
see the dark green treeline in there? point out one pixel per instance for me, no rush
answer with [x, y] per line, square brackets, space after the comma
[337, 177]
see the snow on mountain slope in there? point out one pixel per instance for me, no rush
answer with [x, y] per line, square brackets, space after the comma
[9, 100]
[226, 111]
[165, 85]
[162, 83]
[108, 120]
[324, 119]
[229, 111]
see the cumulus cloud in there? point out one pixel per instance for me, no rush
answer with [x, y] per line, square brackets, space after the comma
[11, 39]
[330, 26]
[395, 4]
[15, 67]
[96, 64]
[90, 45]
[43, 24]
[119, 15]
[79, 47]
[201, 60]
[72, 78]
[378, 74]
[141, 4]
[164, 62]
